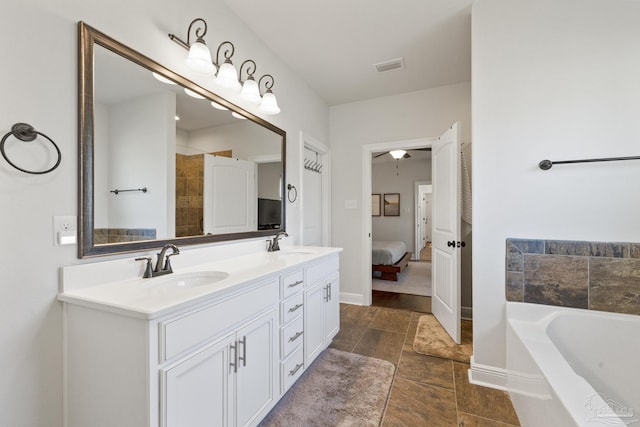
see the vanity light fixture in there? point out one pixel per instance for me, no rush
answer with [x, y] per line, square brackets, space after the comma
[397, 154]
[250, 90]
[227, 76]
[199, 58]
[238, 116]
[269, 104]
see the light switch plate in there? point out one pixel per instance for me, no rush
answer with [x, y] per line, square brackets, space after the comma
[351, 204]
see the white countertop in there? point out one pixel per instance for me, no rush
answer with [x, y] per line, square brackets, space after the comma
[142, 298]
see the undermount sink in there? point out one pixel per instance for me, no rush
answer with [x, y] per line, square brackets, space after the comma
[187, 280]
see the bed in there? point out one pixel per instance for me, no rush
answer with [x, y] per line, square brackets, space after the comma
[389, 258]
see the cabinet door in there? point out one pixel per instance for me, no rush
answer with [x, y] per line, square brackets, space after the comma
[314, 322]
[332, 311]
[196, 391]
[258, 363]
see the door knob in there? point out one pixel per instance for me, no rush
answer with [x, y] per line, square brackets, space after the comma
[454, 244]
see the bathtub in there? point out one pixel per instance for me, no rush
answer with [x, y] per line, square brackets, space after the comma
[572, 367]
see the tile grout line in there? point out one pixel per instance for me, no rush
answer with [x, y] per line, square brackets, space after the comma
[455, 392]
[395, 373]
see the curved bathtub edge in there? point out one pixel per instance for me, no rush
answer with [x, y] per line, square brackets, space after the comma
[543, 387]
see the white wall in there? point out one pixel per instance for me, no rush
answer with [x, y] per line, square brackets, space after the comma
[552, 80]
[269, 180]
[386, 178]
[142, 148]
[420, 114]
[38, 86]
[245, 139]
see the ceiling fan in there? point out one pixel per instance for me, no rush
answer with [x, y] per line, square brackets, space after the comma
[401, 154]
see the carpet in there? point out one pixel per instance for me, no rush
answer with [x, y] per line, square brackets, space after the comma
[338, 389]
[431, 339]
[415, 279]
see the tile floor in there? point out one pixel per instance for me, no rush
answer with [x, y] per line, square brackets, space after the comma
[426, 391]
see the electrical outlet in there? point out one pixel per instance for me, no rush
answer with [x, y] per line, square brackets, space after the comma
[64, 230]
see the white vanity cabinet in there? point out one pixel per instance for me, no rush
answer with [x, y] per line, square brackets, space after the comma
[322, 306]
[215, 364]
[292, 328]
[141, 354]
[226, 383]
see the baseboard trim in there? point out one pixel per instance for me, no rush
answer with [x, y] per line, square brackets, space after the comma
[488, 376]
[356, 299]
[466, 313]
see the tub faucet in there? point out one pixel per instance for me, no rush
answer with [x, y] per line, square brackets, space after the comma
[274, 245]
[160, 269]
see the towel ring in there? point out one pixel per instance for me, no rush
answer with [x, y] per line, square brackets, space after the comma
[295, 193]
[25, 132]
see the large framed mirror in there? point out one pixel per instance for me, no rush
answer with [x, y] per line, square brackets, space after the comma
[159, 164]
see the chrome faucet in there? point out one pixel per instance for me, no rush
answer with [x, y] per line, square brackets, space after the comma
[160, 269]
[274, 245]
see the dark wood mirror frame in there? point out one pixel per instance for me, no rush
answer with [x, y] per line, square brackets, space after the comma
[88, 38]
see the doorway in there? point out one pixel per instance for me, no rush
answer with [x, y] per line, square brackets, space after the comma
[423, 208]
[315, 192]
[368, 151]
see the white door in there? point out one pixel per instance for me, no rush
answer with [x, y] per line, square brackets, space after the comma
[427, 219]
[196, 391]
[332, 310]
[446, 232]
[256, 379]
[314, 300]
[229, 195]
[312, 206]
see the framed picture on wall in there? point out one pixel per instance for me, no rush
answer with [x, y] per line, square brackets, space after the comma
[375, 205]
[392, 204]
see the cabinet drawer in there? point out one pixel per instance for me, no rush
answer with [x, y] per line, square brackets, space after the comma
[321, 270]
[292, 283]
[292, 368]
[292, 308]
[181, 333]
[292, 336]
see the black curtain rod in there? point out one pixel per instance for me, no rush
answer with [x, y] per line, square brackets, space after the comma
[546, 164]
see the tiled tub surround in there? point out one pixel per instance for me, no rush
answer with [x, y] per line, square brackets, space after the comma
[601, 276]
[118, 235]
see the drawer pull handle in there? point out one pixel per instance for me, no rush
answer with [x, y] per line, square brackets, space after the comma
[296, 369]
[296, 283]
[295, 307]
[296, 336]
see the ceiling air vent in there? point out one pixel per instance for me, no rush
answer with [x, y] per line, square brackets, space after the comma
[393, 64]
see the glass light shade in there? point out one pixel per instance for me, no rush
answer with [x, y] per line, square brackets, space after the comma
[238, 116]
[218, 106]
[199, 58]
[250, 91]
[163, 79]
[269, 104]
[193, 94]
[228, 76]
[397, 154]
